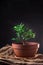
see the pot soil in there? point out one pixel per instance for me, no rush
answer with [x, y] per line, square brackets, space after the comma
[29, 49]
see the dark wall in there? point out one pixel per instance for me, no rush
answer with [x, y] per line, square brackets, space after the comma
[13, 12]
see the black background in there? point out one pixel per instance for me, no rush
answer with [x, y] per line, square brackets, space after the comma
[17, 11]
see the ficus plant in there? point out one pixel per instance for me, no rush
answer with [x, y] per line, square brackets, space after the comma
[23, 33]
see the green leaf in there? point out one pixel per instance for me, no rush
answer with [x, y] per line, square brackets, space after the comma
[23, 33]
[13, 39]
[33, 35]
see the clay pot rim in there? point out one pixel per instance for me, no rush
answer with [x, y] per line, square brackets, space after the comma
[27, 43]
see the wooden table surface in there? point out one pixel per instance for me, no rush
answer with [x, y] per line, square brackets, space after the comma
[7, 56]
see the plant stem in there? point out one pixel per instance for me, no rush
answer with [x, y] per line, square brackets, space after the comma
[23, 42]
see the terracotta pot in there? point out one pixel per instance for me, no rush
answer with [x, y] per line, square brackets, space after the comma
[27, 50]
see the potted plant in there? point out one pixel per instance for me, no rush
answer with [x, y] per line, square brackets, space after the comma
[22, 47]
